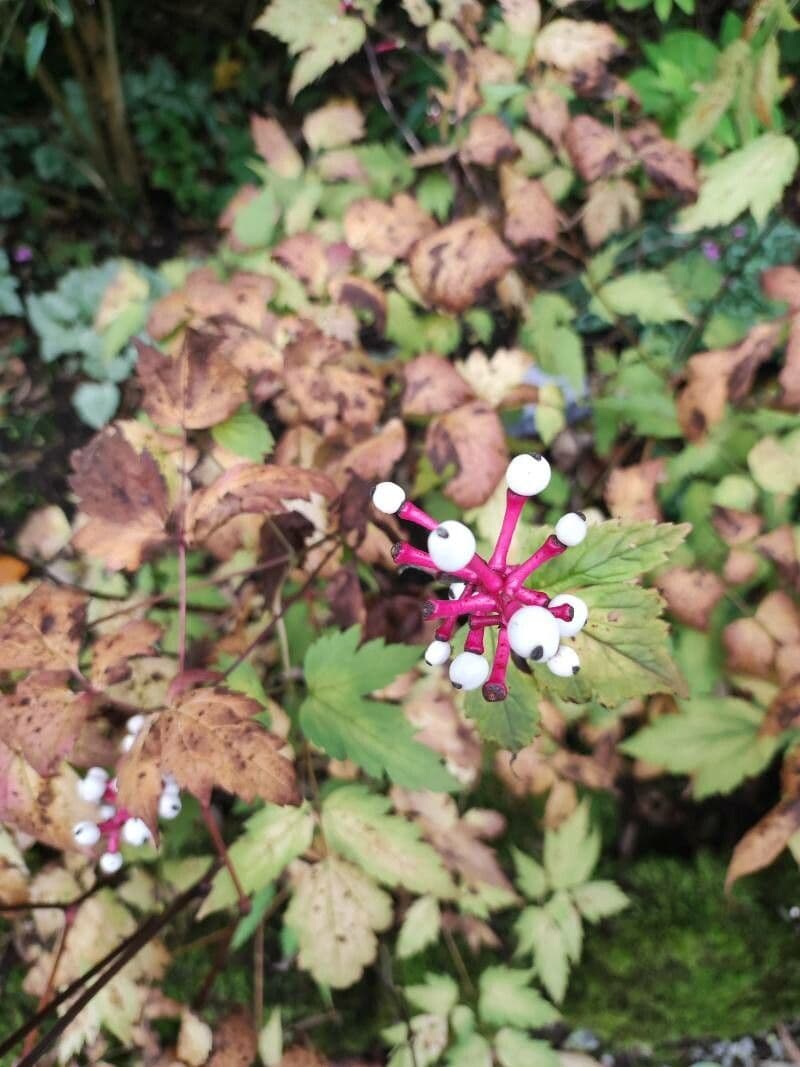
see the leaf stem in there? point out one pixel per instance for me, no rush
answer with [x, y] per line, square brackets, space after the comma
[222, 851]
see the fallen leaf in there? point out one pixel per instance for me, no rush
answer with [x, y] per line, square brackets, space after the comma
[691, 594]
[780, 548]
[361, 295]
[631, 491]
[666, 163]
[522, 16]
[13, 871]
[195, 1039]
[377, 228]
[530, 215]
[488, 143]
[782, 283]
[112, 652]
[197, 389]
[235, 1042]
[749, 648]
[44, 631]
[765, 841]
[500, 379]
[570, 45]
[337, 123]
[596, 150]
[611, 206]
[372, 459]
[45, 808]
[299, 1056]
[789, 377]
[42, 719]
[433, 386]
[548, 112]
[779, 616]
[45, 532]
[431, 710]
[12, 570]
[273, 145]
[208, 738]
[472, 438]
[452, 266]
[305, 256]
[783, 712]
[736, 527]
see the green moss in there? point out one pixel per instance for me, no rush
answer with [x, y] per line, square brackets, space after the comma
[687, 961]
[15, 1006]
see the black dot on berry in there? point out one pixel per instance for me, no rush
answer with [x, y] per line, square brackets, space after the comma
[536, 455]
[442, 533]
[581, 515]
[456, 685]
[575, 670]
[537, 653]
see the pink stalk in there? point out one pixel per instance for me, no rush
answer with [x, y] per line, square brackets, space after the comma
[495, 687]
[446, 609]
[549, 550]
[485, 575]
[475, 639]
[411, 513]
[514, 505]
[112, 842]
[406, 555]
[533, 597]
[485, 620]
[565, 612]
[447, 629]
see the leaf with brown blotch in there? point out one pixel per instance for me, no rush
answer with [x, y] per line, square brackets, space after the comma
[42, 719]
[208, 738]
[779, 615]
[611, 206]
[749, 648]
[631, 491]
[235, 1042]
[336, 123]
[300, 1056]
[372, 459]
[783, 712]
[596, 150]
[45, 808]
[691, 594]
[361, 294]
[531, 216]
[433, 386]
[273, 145]
[304, 256]
[472, 437]
[488, 143]
[44, 631]
[377, 228]
[197, 389]
[789, 377]
[250, 488]
[780, 548]
[548, 112]
[782, 283]
[112, 652]
[736, 527]
[452, 266]
[570, 45]
[666, 163]
[765, 841]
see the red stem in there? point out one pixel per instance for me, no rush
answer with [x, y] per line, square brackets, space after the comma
[549, 550]
[412, 513]
[565, 612]
[514, 505]
[447, 609]
[533, 598]
[485, 575]
[222, 852]
[495, 687]
[475, 639]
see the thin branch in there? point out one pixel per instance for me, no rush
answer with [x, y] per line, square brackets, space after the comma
[222, 852]
[382, 90]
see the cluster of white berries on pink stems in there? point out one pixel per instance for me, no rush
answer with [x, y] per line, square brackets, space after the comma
[492, 592]
[116, 825]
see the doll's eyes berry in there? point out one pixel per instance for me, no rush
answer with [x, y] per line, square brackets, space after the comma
[533, 634]
[580, 613]
[92, 787]
[135, 832]
[110, 862]
[469, 670]
[451, 546]
[86, 833]
[565, 662]
[456, 590]
[528, 474]
[571, 529]
[388, 497]
[437, 653]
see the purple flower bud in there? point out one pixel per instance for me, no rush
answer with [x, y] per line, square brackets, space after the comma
[711, 250]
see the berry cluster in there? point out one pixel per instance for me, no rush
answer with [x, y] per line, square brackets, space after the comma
[116, 824]
[492, 593]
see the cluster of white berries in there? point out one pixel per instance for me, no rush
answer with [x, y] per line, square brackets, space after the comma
[492, 593]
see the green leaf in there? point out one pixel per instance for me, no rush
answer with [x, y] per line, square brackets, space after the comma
[34, 46]
[561, 908]
[96, 402]
[511, 723]
[438, 994]
[245, 434]
[713, 101]
[506, 998]
[270, 1040]
[549, 335]
[337, 716]
[714, 739]
[272, 838]
[752, 178]
[540, 935]
[515, 1049]
[775, 463]
[599, 900]
[647, 295]
[472, 1050]
[571, 852]
[388, 847]
[435, 194]
[255, 221]
[420, 928]
[322, 37]
[531, 877]
[249, 924]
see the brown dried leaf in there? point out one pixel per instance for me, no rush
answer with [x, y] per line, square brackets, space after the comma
[433, 386]
[273, 145]
[452, 266]
[691, 594]
[361, 294]
[45, 808]
[197, 389]
[299, 1056]
[611, 206]
[235, 1042]
[789, 377]
[304, 255]
[431, 709]
[195, 1039]
[13, 872]
[765, 841]
[472, 438]
[376, 228]
[787, 664]
[666, 163]
[488, 143]
[42, 719]
[531, 216]
[337, 123]
[548, 112]
[736, 527]
[577, 46]
[631, 491]
[782, 283]
[207, 739]
[597, 151]
[779, 616]
[783, 712]
[112, 651]
[372, 459]
[779, 546]
[44, 533]
[501, 379]
[44, 631]
[250, 488]
[748, 647]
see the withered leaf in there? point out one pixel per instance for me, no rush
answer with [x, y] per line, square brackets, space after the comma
[789, 377]
[691, 594]
[197, 389]
[433, 386]
[112, 652]
[531, 216]
[235, 1042]
[361, 294]
[597, 151]
[736, 527]
[42, 719]
[452, 266]
[273, 145]
[779, 615]
[666, 163]
[45, 808]
[765, 841]
[782, 283]
[303, 254]
[250, 488]
[472, 438]
[548, 112]
[571, 45]
[337, 123]
[783, 712]
[208, 738]
[611, 206]
[488, 143]
[376, 228]
[300, 1056]
[631, 491]
[44, 631]
[373, 458]
[779, 547]
[748, 647]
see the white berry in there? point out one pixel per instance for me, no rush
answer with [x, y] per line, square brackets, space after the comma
[91, 789]
[533, 634]
[451, 545]
[388, 497]
[469, 670]
[135, 832]
[528, 474]
[107, 811]
[135, 723]
[571, 529]
[169, 806]
[86, 833]
[170, 784]
[456, 590]
[127, 742]
[437, 653]
[565, 663]
[580, 613]
[110, 862]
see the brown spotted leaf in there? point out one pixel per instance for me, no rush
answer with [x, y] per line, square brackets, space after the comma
[44, 631]
[273, 145]
[666, 163]
[611, 206]
[208, 738]
[452, 266]
[748, 647]
[196, 389]
[488, 143]
[42, 719]
[372, 459]
[377, 228]
[472, 438]
[548, 112]
[570, 45]
[531, 217]
[45, 808]
[235, 1042]
[433, 386]
[783, 712]
[779, 615]
[597, 151]
[112, 652]
[691, 594]
[631, 491]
